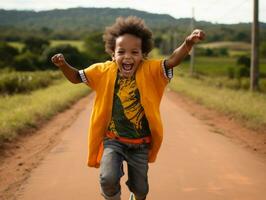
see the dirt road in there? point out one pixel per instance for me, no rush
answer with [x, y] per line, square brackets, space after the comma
[194, 163]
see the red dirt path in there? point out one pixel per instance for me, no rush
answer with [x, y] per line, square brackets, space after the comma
[204, 155]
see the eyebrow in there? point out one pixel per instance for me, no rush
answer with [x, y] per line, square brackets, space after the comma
[120, 48]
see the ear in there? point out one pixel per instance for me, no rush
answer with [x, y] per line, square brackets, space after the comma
[113, 56]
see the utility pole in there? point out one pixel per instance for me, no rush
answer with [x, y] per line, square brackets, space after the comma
[254, 68]
[192, 52]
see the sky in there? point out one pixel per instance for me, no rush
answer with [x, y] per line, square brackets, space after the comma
[216, 11]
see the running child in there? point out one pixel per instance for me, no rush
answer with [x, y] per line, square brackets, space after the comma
[125, 122]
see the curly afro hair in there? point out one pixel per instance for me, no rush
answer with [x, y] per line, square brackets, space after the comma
[130, 25]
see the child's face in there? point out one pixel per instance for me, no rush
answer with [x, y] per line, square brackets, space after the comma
[128, 54]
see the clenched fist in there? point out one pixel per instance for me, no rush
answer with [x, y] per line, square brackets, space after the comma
[196, 36]
[58, 60]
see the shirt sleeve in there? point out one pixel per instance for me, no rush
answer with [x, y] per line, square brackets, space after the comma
[92, 75]
[168, 72]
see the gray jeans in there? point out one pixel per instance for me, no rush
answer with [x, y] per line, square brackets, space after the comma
[111, 169]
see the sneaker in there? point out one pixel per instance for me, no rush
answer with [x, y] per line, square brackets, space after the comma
[132, 197]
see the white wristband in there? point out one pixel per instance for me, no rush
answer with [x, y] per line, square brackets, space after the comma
[82, 76]
[168, 72]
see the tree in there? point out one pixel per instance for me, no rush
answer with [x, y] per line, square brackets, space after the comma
[158, 41]
[26, 61]
[263, 49]
[71, 54]
[7, 54]
[223, 52]
[244, 61]
[35, 44]
[244, 69]
[94, 46]
[209, 52]
[242, 36]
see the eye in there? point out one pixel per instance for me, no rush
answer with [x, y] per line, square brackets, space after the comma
[120, 52]
[135, 52]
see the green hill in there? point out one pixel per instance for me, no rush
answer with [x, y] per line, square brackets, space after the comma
[74, 18]
[74, 23]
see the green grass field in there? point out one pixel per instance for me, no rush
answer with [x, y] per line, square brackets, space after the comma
[216, 66]
[21, 82]
[242, 46]
[18, 45]
[75, 43]
[213, 90]
[235, 49]
[212, 66]
[21, 111]
[239, 104]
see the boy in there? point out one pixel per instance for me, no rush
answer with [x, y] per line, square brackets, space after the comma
[125, 122]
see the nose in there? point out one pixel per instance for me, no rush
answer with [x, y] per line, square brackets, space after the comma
[127, 55]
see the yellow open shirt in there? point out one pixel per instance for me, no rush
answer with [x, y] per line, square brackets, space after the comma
[150, 80]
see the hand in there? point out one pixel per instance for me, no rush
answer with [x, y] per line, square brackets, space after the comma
[58, 60]
[196, 36]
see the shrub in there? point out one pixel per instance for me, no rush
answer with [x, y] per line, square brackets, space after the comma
[71, 54]
[7, 54]
[94, 46]
[223, 52]
[35, 44]
[244, 61]
[244, 66]
[263, 49]
[242, 72]
[231, 72]
[26, 62]
[209, 52]
[19, 82]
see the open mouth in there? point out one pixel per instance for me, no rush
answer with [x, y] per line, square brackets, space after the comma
[127, 67]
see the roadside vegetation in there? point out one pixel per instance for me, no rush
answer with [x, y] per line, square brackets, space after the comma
[32, 88]
[226, 72]
[21, 111]
[20, 82]
[239, 104]
[221, 82]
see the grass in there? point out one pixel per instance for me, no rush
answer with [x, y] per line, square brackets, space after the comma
[217, 66]
[155, 54]
[22, 111]
[21, 82]
[231, 83]
[235, 49]
[17, 45]
[244, 105]
[237, 53]
[75, 43]
[242, 46]
[212, 66]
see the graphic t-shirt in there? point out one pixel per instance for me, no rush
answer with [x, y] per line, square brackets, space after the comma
[128, 116]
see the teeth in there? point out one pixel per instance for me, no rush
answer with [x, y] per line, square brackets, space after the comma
[127, 67]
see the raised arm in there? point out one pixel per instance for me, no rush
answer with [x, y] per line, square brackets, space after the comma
[183, 50]
[71, 73]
